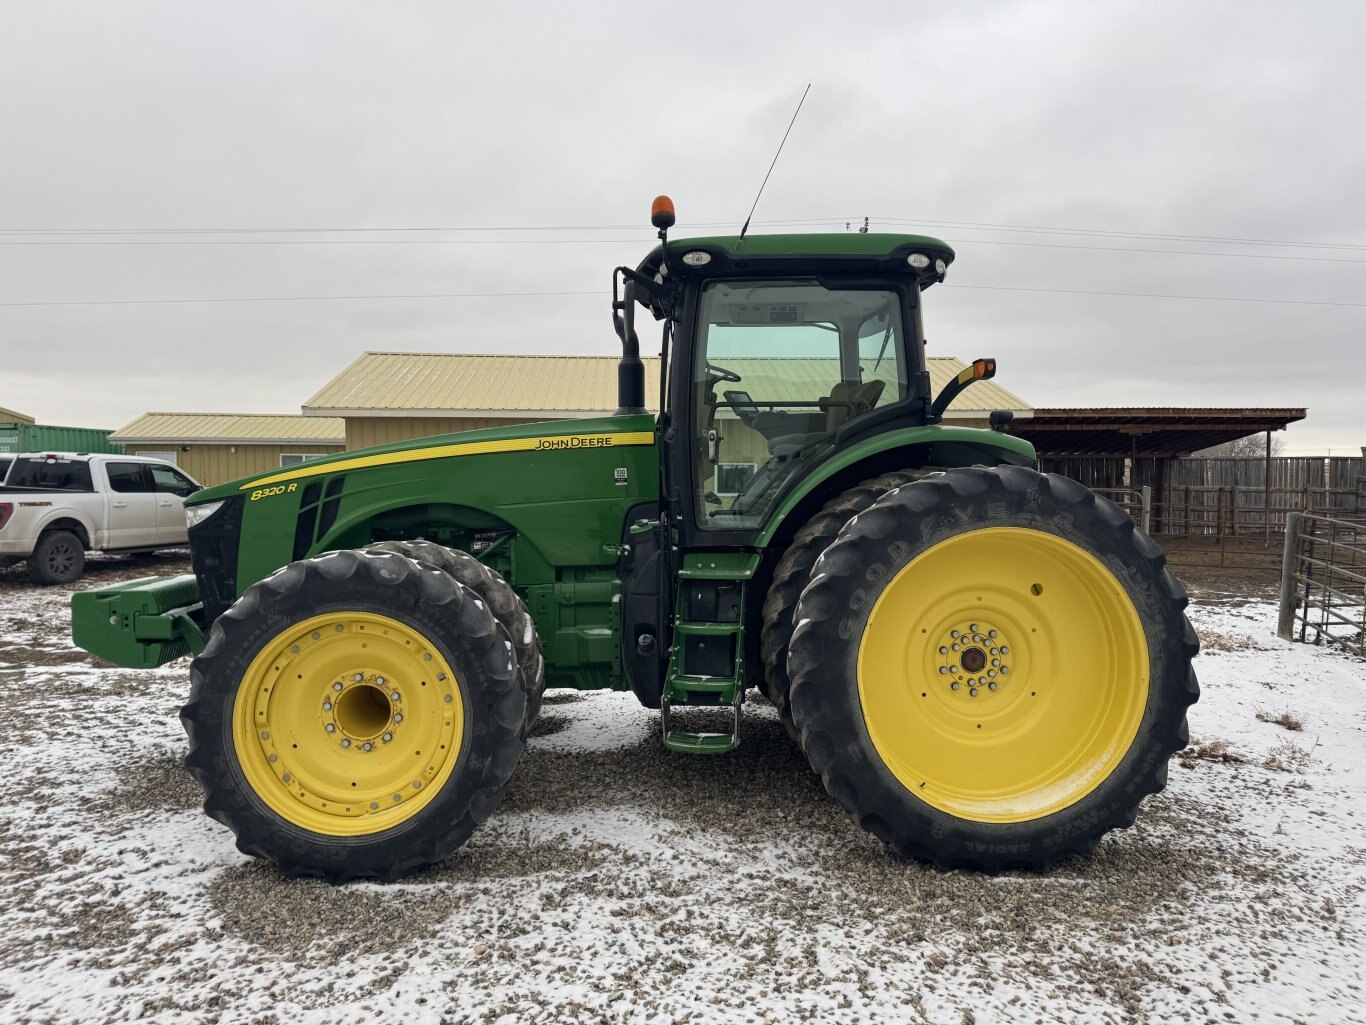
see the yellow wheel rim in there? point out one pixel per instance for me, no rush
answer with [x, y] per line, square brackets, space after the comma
[1003, 674]
[348, 724]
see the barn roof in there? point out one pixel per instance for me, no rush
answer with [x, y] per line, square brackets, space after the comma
[551, 387]
[232, 429]
[1148, 431]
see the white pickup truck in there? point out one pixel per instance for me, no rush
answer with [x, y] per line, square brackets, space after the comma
[54, 507]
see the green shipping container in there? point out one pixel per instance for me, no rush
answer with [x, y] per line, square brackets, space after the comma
[16, 437]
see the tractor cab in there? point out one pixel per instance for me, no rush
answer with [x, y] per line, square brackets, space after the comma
[778, 351]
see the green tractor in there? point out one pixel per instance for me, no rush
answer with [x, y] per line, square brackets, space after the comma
[989, 667]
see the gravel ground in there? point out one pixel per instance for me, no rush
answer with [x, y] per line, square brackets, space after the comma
[621, 883]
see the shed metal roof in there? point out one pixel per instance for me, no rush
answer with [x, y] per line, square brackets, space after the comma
[1146, 431]
[13, 416]
[493, 385]
[233, 429]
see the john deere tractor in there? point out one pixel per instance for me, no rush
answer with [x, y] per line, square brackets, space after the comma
[988, 666]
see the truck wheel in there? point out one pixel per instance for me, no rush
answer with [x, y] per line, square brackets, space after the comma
[58, 558]
[992, 668]
[793, 573]
[498, 594]
[354, 715]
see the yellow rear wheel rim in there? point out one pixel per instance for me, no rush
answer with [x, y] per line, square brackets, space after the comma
[1003, 674]
[348, 724]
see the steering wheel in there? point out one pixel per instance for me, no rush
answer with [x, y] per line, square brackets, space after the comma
[716, 374]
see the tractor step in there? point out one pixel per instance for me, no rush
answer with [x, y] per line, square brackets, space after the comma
[701, 743]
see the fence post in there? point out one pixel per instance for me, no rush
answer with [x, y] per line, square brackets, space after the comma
[1147, 500]
[1285, 625]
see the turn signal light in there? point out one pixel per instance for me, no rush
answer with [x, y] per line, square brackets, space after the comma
[6, 511]
[983, 368]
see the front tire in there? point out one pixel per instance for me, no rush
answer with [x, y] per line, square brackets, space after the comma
[354, 715]
[992, 669]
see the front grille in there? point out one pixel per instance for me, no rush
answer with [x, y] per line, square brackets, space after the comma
[213, 550]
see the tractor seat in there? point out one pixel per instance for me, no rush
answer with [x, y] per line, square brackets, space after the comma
[847, 399]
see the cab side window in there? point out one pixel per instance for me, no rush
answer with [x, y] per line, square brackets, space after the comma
[128, 478]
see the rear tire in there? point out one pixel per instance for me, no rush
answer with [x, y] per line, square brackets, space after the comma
[354, 715]
[58, 558]
[501, 599]
[793, 573]
[992, 668]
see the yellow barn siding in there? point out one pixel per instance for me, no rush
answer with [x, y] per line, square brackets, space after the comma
[366, 431]
[216, 464]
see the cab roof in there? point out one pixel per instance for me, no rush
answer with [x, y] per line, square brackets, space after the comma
[843, 252]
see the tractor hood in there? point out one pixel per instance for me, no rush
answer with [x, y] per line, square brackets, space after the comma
[553, 435]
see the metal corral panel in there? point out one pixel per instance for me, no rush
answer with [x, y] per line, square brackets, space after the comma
[412, 384]
[40, 438]
[231, 428]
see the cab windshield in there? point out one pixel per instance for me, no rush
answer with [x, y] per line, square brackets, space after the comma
[780, 367]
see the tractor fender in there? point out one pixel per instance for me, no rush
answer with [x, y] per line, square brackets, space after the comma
[895, 450]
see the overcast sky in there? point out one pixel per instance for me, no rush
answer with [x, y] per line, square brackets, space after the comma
[1098, 122]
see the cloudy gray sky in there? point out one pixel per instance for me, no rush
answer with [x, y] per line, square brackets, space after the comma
[1098, 125]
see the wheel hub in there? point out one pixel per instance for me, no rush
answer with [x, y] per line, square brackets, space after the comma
[362, 710]
[974, 658]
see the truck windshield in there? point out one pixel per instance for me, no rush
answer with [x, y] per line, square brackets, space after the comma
[780, 366]
[57, 474]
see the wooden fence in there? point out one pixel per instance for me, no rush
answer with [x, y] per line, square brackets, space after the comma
[1225, 497]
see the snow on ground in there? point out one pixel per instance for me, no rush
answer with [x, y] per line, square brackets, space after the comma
[620, 883]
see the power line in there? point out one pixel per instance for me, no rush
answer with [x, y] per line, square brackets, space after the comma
[292, 298]
[359, 242]
[792, 222]
[1159, 295]
[604, 293]
[637, 241]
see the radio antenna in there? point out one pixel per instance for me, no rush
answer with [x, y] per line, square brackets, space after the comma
[741, 239]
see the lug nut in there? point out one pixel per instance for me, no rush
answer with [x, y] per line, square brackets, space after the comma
[973, 628]
[398, 717]
[972, 692]
[358, 677]
[329, 727]
[367, 746]
[265, 734]
[388, 737]
[394, 695]
[327, 706]
[336, 686]
[943, 650]
[991, 633]
[1004, 670]
[953, 633]
[379, 681]
[448, 699]
[991, 685]
[346, 743]
[953, 685]
[287, 777]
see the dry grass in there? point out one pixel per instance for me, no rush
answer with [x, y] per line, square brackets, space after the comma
[1209, 751]
[1285, 718]
[1222, 641]
[1287, 756]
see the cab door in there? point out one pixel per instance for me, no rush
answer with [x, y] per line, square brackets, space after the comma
[132, 506]
[172, 488]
